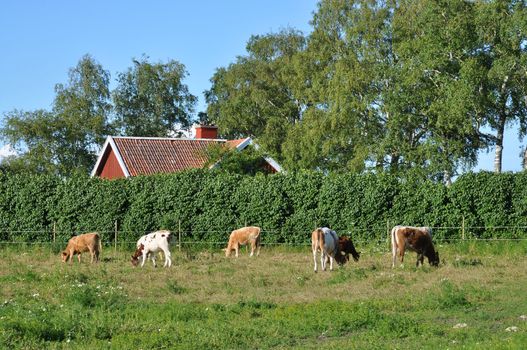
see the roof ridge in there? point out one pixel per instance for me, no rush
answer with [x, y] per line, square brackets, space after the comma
[165, 138]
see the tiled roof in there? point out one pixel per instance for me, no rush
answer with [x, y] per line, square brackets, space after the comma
[151, 155]
[145, 156]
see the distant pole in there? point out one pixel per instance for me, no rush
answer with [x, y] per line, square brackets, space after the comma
[388, 231]
[115, 238]
[54, 231]
[179, 234]
[463, 227]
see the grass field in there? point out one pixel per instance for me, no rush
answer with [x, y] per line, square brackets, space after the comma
[476, 299]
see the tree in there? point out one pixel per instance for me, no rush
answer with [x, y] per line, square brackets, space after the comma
[81, 109]
[344, 68]
[66, 139]
[257, 96]
[432, 100]
[501, 27]
[151, 99]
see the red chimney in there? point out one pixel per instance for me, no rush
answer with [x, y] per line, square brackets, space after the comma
[206, 132]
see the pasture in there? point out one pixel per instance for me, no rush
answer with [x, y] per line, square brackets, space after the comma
[476, 299]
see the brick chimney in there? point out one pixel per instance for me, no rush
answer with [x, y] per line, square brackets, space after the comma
[206, 132]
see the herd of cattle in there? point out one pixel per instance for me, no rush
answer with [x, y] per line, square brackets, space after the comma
[323, 240]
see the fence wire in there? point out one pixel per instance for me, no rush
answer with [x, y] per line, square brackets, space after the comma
[380, 235]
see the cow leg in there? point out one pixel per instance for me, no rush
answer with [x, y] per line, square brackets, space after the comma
[394, 255]
[420, 259]
[143, 257]
[401, 249]
[153, 256]
[315, 258]
[79, 257]
[92, 253]
[253, 247]
[168, 258]
[323, 261]
[330, 263]
[236, 248]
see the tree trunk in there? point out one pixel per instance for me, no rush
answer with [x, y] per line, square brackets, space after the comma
[499, 144]
[447, 178]
[524, 160]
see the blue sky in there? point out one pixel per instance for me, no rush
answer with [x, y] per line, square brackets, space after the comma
[41, 40]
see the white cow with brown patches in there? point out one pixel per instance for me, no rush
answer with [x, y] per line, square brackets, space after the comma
[243, 236]
[148, 246]
[326, 241]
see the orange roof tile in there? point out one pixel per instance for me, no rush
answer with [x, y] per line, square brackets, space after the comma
[145, 156]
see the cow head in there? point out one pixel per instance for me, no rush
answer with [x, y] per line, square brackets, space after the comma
[137, 254]
[346, 248]
[433, 259]
[341, 258]
[64, 256]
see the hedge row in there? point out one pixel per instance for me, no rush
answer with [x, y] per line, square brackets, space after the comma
[206, 206]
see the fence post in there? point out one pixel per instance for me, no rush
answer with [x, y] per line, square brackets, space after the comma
[388, 231]
[115, 239]
[179, 234]
[463, 227]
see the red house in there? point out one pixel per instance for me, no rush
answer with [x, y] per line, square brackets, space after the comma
[132, 156]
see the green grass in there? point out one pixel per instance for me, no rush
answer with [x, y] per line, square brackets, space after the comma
[206, 301]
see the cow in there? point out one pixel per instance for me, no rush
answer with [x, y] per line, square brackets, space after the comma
[346, 248]
[83, 243]
[326, 241]
[243, 236]
[148, 246]
[418, 239]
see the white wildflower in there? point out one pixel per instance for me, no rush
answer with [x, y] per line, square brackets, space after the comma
[523, 317]
[460, 325]
[511, 329]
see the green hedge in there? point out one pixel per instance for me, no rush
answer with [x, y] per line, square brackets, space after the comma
[206, 206]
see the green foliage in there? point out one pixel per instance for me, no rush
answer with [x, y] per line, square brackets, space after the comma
[206, 206]
[249, 162]
[63, 141]
[151, 99]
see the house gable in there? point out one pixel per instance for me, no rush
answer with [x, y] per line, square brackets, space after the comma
[132, 156]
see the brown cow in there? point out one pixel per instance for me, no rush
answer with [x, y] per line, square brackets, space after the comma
[244, 236]
[346, 248]
[83, 243]
[418, 239]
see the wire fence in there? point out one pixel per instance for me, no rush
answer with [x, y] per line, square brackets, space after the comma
[374, 235]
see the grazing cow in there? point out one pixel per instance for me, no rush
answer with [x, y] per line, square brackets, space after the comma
[83, 243]
[326, 241]
[150, 244]
[418, 239]
[346, 248]
[243, 236]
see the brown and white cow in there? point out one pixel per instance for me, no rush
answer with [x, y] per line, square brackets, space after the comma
[326, 241]
[418, 239]
[148, 246]
[83, 243]
[243, 236]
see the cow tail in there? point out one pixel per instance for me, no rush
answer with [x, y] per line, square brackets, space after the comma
[393, 238]
[100, 244]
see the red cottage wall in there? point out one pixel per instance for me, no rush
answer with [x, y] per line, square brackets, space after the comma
[111, 168]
